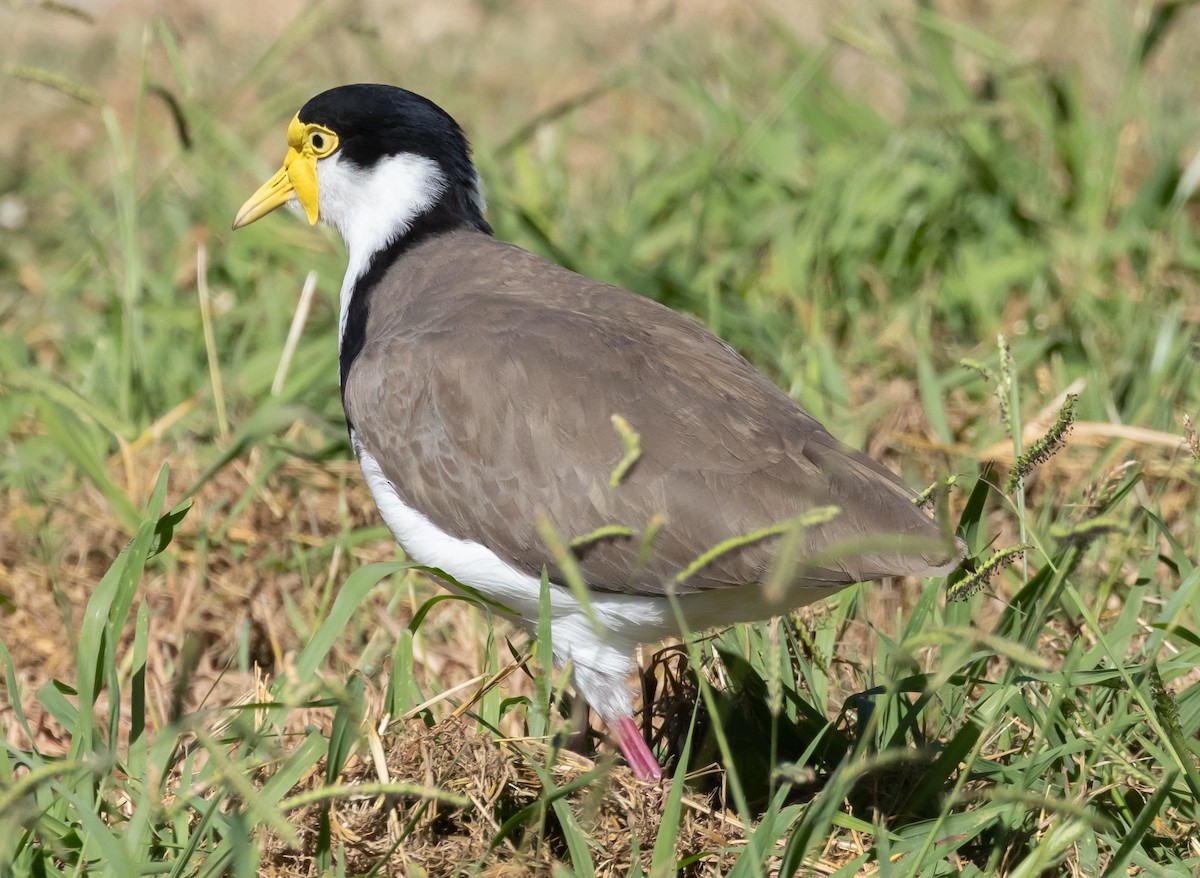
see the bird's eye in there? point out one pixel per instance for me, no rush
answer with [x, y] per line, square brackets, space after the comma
[320, 140]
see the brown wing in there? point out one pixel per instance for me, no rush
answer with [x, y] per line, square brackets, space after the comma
[489, 402]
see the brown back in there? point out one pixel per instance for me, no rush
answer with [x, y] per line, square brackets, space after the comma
[486, 390]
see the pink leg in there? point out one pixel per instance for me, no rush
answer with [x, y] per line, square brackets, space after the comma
[637, 754]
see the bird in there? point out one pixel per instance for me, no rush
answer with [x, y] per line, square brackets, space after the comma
[499, 403]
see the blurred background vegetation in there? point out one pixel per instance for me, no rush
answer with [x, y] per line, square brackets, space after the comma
[858, 196]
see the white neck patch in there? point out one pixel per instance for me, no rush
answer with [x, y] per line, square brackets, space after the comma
[372, 207]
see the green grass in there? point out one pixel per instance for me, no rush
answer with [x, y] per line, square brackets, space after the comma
[1046, 722]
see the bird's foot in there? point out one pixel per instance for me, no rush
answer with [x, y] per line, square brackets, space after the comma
[637, 754]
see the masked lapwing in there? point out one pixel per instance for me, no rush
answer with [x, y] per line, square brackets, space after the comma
[480, 384]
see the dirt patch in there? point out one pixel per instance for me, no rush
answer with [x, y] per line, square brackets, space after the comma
[412, 835]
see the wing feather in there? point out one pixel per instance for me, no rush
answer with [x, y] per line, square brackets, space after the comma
[486, 391]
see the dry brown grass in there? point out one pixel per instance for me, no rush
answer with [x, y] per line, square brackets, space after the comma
[498, 779]
[213, 603]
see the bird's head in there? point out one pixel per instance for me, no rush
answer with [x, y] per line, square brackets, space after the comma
[372, 161]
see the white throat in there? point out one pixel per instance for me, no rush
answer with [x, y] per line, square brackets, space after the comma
[372, 207]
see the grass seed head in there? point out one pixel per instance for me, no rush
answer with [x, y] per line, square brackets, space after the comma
[1046, 447]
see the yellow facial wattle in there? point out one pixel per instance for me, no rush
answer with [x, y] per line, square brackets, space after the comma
[307, 143]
